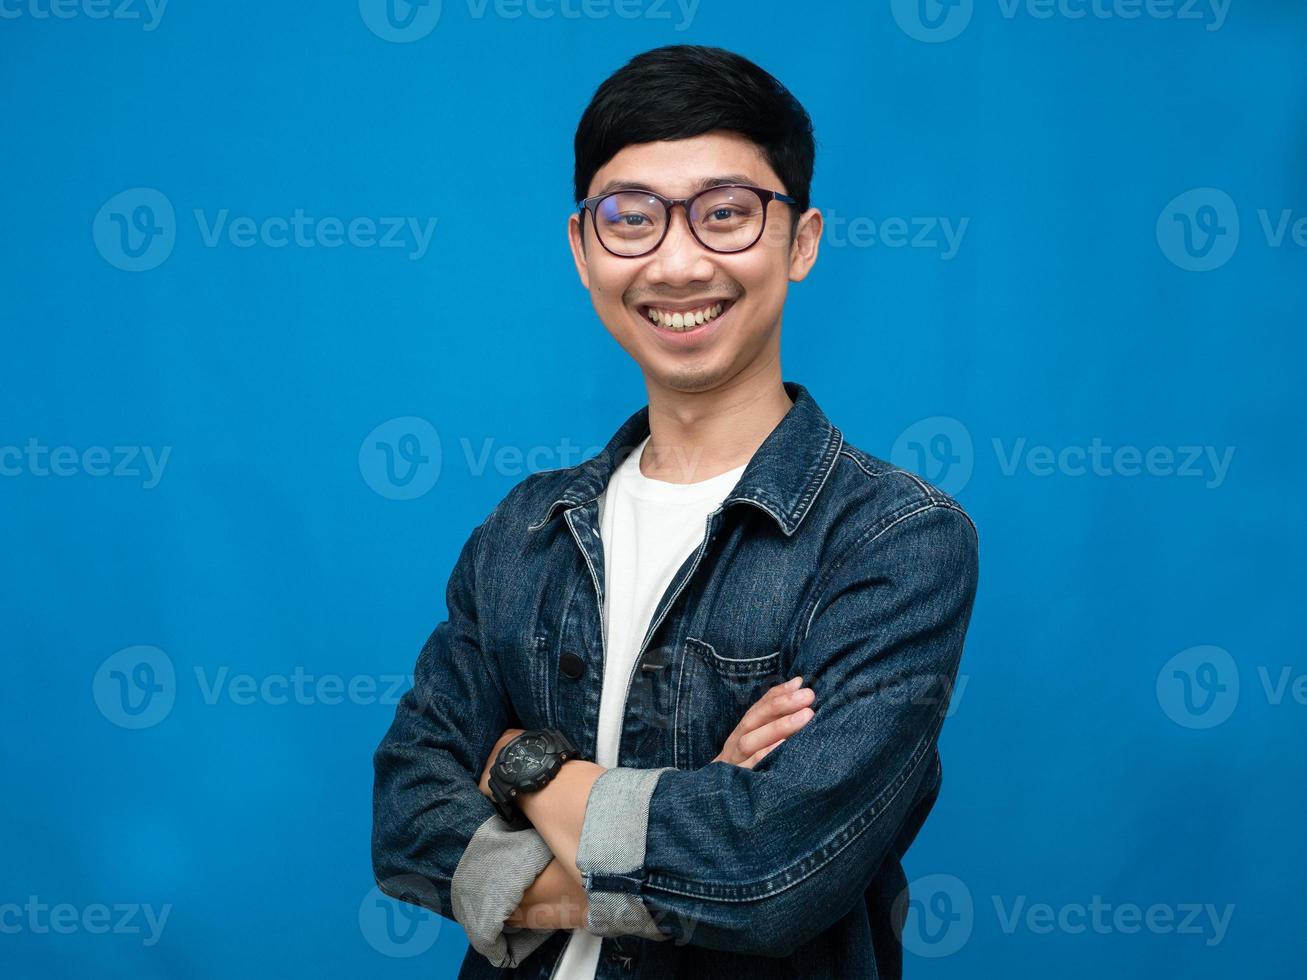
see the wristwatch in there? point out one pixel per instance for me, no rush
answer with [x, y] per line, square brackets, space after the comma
[525, 764]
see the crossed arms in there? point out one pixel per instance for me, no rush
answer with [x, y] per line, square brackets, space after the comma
[731, 856]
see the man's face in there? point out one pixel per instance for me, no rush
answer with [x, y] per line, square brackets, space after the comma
[682, 276]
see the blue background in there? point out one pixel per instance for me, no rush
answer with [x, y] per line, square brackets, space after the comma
[1092, 752]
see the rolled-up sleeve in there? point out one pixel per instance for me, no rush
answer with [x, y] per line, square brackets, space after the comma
[436, 839]
[497, 867]
[761, 860]
[611, 852]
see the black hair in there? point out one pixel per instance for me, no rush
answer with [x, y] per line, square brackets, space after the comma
[683, 90]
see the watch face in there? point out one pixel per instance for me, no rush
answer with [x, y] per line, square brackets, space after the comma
[525, 756]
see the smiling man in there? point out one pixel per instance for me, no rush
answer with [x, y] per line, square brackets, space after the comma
[682, 718]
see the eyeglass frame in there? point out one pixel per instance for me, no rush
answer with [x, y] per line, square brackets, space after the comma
[765, 196]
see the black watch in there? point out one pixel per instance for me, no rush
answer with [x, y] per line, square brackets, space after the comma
[525, 764]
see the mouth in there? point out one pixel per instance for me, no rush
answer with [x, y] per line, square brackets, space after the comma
[685, 322]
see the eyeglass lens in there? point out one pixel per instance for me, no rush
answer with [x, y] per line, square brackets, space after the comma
[725, 219]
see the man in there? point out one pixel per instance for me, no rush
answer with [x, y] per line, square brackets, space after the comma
[682, 718]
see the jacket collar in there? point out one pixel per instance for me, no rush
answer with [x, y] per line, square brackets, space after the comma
[782, 477]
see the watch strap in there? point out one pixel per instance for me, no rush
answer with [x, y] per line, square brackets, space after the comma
[562, 749]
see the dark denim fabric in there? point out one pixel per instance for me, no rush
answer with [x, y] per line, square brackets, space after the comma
[824, 562]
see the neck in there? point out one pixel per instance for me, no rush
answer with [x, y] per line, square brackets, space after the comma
[696, 435]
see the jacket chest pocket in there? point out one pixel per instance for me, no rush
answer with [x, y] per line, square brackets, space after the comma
[716, 686]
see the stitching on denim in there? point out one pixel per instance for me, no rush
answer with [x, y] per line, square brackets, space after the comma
[479, 534]
[676, 716]
[594, 575]
[800, 507]
[704, 643]
[825, 463]
[541, 664]
[869, 535]
[765, 888]
[731, 660]
[836, 438]
[942, 498]
[890, 521]
[569, 601]
[857, 456]
[933, 492]
[521, 488]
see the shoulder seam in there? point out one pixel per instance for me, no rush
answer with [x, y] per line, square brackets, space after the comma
[872, 533]
[852, 452]
[929, 492]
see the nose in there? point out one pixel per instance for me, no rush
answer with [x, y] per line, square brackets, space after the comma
[680, 259]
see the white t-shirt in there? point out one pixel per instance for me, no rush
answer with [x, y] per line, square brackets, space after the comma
[648, 528]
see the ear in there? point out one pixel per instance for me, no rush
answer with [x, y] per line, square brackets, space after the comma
[576, 238]
[807, 238]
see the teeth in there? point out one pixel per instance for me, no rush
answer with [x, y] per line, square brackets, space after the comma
[685, 321]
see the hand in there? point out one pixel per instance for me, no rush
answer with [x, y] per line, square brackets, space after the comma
[772, 719]
[494, 754]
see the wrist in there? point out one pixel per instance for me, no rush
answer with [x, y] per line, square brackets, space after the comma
[573, 782]
[525, 763]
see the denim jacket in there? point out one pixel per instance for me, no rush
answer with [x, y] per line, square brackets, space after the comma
[822, 561]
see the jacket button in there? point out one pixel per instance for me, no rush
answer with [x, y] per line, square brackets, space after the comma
[571, 666]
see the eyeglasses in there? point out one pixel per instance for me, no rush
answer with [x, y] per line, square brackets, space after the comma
[729, 218]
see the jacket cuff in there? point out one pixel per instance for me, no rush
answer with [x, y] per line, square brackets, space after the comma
[497, 867]
[610, 855]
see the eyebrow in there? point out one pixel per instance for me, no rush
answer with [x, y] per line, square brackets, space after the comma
[702, 185]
